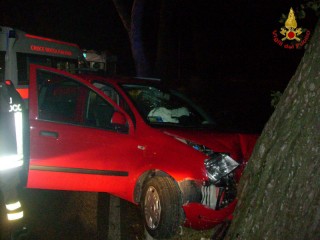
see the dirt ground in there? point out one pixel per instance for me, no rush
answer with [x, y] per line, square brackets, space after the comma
[64, 215]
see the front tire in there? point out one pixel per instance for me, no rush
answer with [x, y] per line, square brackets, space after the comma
[161, 207]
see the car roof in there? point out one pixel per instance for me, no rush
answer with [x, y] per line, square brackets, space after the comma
[91, 77]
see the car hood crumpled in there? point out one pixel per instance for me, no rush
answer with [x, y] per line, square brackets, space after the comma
[239, 145]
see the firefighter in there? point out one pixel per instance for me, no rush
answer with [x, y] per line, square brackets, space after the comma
[11, 156]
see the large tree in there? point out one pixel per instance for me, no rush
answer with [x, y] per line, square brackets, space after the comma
[131, 15]
[151, 30]
[279, 195]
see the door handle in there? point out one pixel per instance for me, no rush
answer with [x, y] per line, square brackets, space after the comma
[49, 134]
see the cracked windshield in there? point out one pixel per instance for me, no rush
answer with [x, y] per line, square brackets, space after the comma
[159, 106]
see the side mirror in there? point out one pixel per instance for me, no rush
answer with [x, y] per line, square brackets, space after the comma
[118, 118]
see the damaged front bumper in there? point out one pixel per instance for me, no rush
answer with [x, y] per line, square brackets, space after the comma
[201, 217]
[206, 205]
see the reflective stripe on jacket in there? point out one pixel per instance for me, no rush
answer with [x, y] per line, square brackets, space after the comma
[11, 127]
[14, 211]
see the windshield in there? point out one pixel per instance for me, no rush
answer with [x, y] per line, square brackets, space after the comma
[166, 107]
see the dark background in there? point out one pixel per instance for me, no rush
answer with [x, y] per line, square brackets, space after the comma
[225, 50]
[226, 56]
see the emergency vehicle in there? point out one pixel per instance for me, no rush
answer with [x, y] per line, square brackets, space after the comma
[19, 49]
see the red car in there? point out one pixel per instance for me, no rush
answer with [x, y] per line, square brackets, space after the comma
[137, 140]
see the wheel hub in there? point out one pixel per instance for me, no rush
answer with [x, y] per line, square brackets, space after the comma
[152, 208]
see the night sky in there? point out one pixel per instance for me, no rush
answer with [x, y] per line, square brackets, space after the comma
[235, 36]
[221, 40]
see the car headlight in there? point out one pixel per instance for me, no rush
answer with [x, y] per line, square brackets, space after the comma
[219, 165]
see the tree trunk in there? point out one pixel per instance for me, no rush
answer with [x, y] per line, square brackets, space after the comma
[133, 24]
[123, 8]
[279, 193]
[140, 58]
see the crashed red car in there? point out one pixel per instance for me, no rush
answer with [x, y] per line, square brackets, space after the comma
[133, 138]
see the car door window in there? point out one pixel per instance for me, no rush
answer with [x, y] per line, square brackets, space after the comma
[99, 111]
[58, 98]
[62, 99]
[116, 97]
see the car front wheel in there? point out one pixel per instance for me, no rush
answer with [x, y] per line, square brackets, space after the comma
[161, 207]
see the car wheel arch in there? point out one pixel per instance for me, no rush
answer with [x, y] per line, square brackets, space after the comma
[143, 178]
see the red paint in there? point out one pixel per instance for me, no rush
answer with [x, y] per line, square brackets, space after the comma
[51, 50]
[24, 92]
[8, 82]
[291, 35]
[200, 217]
[83, 158]
[51, 40]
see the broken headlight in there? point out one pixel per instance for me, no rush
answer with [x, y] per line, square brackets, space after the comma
[219, 165]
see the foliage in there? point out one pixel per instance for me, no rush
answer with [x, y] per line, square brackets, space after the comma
[275, 98]
[313, 5]
[151, 28]
[301, 11]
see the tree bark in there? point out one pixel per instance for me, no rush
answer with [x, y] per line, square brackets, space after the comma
[279, 193]
[132, 22]
[123, 10]
[138, 49]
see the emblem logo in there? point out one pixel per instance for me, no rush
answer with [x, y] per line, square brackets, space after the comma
[293, 37]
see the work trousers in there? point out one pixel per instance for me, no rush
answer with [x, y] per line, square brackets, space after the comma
[9, 185]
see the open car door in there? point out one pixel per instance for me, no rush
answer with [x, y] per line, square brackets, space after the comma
[74, 144]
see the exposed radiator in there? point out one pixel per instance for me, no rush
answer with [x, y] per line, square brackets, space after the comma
[209, 196]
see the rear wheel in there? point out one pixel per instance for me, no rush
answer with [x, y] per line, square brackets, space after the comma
[161, 207]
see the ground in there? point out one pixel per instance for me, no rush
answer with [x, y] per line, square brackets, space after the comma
[67, 215]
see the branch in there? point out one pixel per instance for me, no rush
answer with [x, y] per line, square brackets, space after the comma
[122, 7]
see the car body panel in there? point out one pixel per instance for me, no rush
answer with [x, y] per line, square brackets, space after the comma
[79, 157]
[200, 217]
[238, 145]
